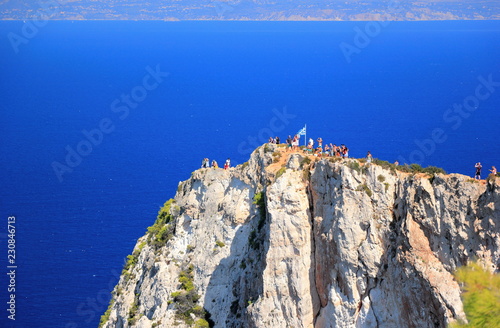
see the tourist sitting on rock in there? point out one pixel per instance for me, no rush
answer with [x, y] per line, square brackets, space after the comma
[204, 163]
[319, 151]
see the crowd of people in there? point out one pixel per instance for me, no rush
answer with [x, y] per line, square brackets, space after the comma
[319, 150]
[206, 164]
[329, 150]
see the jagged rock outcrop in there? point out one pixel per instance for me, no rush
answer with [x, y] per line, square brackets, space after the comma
[281, 242]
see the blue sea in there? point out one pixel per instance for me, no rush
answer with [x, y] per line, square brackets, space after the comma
[100, 120]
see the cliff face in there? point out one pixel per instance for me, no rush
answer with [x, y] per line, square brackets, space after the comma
[329, 244]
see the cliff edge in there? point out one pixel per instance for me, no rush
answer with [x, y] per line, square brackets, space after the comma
[289, 240]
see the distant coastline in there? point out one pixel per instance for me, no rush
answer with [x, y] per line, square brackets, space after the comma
[252, 10]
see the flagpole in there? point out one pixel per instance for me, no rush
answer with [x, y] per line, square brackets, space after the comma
[305, 135]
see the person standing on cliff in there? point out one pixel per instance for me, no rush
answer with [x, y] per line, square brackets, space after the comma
[327, 150]
[493, 171]
[369, 157]
[289, 141]
[478, 167]
[295, 143]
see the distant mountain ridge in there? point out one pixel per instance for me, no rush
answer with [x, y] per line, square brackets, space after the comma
[278, 10]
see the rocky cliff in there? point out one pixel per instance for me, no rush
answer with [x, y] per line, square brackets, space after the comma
[287, 240]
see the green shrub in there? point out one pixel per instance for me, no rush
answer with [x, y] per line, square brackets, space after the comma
[161, 231]
[186, 298]
[404, 168]
[244, 165]
[386, 186]
[220, 243]
[259, 200]
[366, 189]
[164, 215]
[105, 316]
[385, 165]
[132, 261]
[133, 312]
[253, 241]
[280, 172]
[306, 175]
[186, 278]
[354, 165]
[381, 178]
[190, 248]
[433, 170]
[176, 294]
[267, 148]
[412, 168]
[481, 297]
[416, 168]
[201, 323]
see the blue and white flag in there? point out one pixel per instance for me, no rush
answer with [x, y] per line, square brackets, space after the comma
[302, 131]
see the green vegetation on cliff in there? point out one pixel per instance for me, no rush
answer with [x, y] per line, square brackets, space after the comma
[481, 297]
[162, 230]
[186, 299]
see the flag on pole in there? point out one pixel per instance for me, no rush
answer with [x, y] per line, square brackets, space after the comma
[302, 131]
